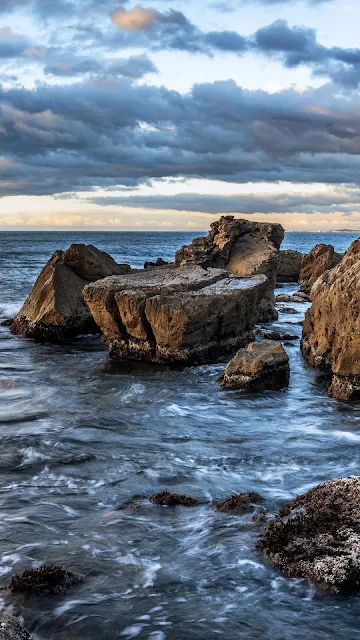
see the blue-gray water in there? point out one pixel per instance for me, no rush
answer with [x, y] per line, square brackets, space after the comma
[80, 436]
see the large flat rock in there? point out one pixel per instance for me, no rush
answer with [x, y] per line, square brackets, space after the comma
[189, 314]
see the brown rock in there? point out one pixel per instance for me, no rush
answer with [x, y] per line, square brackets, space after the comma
[159, 262]
[289, 265]
[316, 536]
[244, 249]
[47, 580]
[11, 629]
[320, 259]
[168, 499]
[282, 297]
[331, 329]
[262, 365]
[189, 314]
[55, 309]
[238, 502]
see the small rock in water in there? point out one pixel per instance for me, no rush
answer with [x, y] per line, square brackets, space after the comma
[166, 498]
[238, 502]
[316, 536]
[276, 336]
[7, 323]
[287, 310]
[11, 629]
[262, 365]
[48, 579]
[159, 262]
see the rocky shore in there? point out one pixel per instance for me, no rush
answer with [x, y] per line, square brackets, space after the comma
[216, 299]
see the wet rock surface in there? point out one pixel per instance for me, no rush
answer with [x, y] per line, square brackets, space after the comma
[261, 365]
[316, 536]
[238, 503]
[169, 499]
[11, 629]
[277, 336]
[244, 249]
[48, 580]
[289, 265]
[55, 308]
[320, 259]
[331, 329]
[189, 314]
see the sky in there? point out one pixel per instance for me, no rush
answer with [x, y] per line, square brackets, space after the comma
[163, 116]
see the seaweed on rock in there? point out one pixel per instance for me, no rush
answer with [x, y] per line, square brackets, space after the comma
[166, 498]
[48, 579]
[238, 502]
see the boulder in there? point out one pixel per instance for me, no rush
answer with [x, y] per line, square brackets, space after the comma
[316, 536]
[47, 580]
[331, 330]
[238, 503]
[55, 308]
[260, 366]
[159, 262]
[11, 629]
[289, 265]
[282, 297]
[187, 315]
[168, 499]
[244, 249]
[320, 259]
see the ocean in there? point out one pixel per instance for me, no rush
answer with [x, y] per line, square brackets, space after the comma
[85, 440]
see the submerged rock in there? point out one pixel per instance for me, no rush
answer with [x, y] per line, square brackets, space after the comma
[289, 265]
[168, 499]
[317, 536]
[186, 315]
[290, 310]
[11, 629]
[260, 366]
[49, 579]
[244, 249]
[276, 336]
[320, 259]
[238, 502]
[55, 309]
[331, 329]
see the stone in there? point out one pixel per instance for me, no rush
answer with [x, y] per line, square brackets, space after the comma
[260, 366]
[289, 265]
[276, 336]
[290, 310]
[331, 329]
[11, 629]
[320, 259]
[49, 579]
[238, 503]
[159, 262]
[169, 499]
[282, 297]
[316, 536]
[55, 308]
[168, 315]
[243, 248]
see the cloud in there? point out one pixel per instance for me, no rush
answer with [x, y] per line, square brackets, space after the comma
[339, 200]
[100, 133]
[134, 67]
[137, 18]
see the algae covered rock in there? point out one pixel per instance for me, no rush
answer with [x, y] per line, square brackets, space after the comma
[46, 580]
[259, 366]
[11, 629]
[237, 503]
[169, 499]
[316, 536]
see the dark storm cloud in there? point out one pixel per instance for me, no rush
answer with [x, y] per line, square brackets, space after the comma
[55, 139]
[340, 201]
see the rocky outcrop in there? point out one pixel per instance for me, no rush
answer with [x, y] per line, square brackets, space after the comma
[316, 536]
[289, 265]
[244, 249]
[55, 309]
[320, 259]
[262, 365]
[331, 329]
[187, 315]
[159, 262]
[11, 629]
